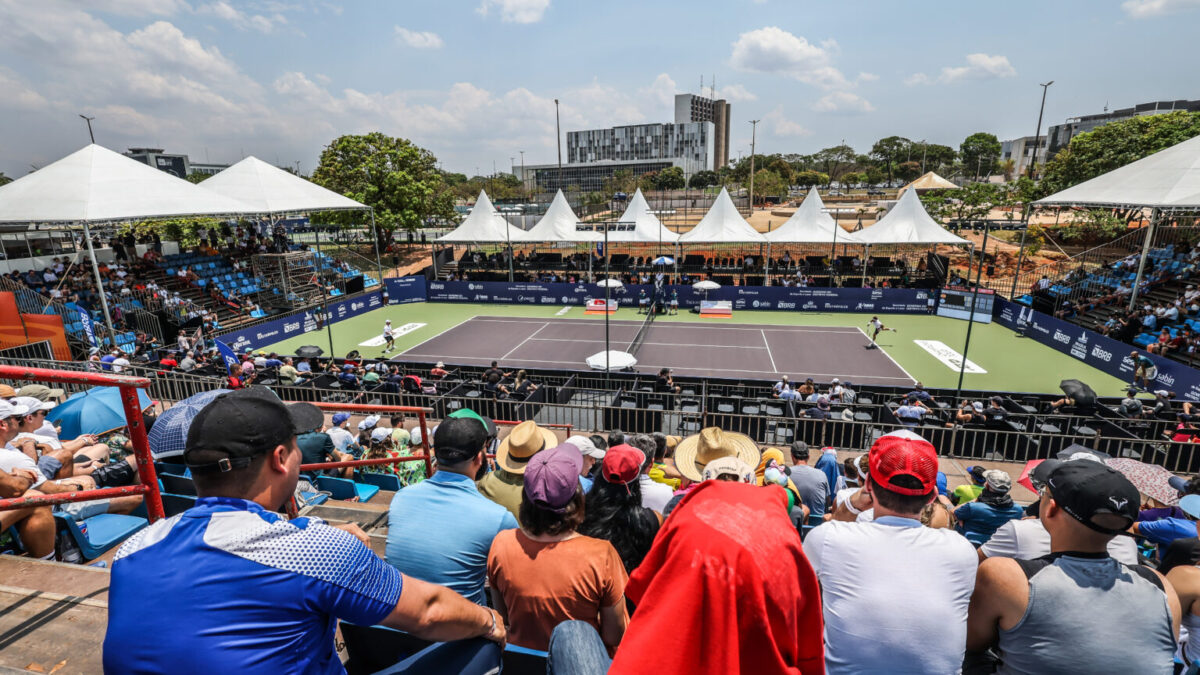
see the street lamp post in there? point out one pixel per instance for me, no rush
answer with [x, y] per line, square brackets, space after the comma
[89, 123]
[1037, 135]
[753, 137]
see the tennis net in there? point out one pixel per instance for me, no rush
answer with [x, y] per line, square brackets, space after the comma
[641, 334]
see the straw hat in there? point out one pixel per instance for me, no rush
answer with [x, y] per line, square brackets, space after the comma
[695, 452]
[526, 440]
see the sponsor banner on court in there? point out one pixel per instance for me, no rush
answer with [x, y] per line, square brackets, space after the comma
[379, 340]
[946, 354]
[405, 290]
[283, 328]
[1096, 350]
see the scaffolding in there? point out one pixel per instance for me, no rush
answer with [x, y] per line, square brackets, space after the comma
[293, 273]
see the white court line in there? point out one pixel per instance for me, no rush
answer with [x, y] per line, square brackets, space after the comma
[445, 357]
[686, 326]
[657, 344]
[522, 342]
[864, 334]
[769, 354]
[421, 343]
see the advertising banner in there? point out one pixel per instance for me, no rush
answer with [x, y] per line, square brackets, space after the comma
[283, 328]
[1096, 350]
[405, 290]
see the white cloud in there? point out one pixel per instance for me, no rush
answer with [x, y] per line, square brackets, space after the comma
[782, 126]
[735, 93]
[18, 94]
[979, 67]
[1143, 9]
[263, 23]
[843, 102]
[138, 7]
[866, 77]
[774, 50]
[418, 39]
[516, 11]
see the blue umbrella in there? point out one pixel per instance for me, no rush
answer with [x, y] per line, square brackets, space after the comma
[664, 260]
[95, 411]
[169, 433]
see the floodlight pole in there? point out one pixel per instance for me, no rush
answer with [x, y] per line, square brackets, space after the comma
[1037, 135]
[324, 298]
[89, 123]
[607, 290]
[753, 138]
[378, 259]
[1133, 296]
[112, 332]
[558, 140]
[962, 366]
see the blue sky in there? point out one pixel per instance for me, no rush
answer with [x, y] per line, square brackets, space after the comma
[474, 80]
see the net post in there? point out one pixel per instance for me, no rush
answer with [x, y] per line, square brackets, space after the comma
[141, 450]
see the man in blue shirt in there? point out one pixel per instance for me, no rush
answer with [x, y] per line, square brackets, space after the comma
[457, 556]
[231, 586]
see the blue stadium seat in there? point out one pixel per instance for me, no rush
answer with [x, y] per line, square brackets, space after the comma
[384, 481]
[100, 533]
[346, 489]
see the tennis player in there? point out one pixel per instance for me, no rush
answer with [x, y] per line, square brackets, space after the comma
[876, 327]
[388, 336]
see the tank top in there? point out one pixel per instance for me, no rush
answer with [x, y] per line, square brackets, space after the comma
[1191, 649]
[1089, 613]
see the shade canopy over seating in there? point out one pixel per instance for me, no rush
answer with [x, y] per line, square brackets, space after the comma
[929, 181]
[483, 224]
[646, 226]
[272, 190]
[723, 224]
[559, 224]
[1168, 179]
[96, 185]
[908, 223]
[810, 224]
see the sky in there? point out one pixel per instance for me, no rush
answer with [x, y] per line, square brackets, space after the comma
[474, 81]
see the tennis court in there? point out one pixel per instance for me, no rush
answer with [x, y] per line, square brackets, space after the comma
[725, 350]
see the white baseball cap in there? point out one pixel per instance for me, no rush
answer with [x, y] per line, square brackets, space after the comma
[33, 404]
[8, 410]
[368, 422]
[586, 446]
[380, 433]
[414, 436]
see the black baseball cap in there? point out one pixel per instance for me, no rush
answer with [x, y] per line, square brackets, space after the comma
[237, 426]
[1085, 489]
[458, 439]
[466, 413]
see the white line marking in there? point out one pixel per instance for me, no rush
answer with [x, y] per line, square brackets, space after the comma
[659, 344]
[431, 339]
[562, 311]
[687, 326]
[897, 363]
[522, 342]
[768, 345]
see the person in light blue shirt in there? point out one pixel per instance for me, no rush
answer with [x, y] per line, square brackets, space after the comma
[978, 520]
[466, 522]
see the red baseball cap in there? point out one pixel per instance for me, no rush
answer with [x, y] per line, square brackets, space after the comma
[622, 464]
[903, 453]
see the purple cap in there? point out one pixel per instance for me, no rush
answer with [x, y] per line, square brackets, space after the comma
[552, 477]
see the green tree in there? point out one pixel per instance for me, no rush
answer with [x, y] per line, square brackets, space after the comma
[980, 152]
[971, 202]
[807, 179]
[854, 178]
[703, 179]
[4, 180]
[873, 175]
[907, 171]
[621, 181]
[767, 183]
[670, 178]
[889, 152]
[1114, 145]
[835, 161]
[392, 175]
[782, 167]
[192, 177]
[934, 157]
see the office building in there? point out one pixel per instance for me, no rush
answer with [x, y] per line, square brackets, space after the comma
[180, 166]
[1060, 135]
[1021, 151]
[692, 108]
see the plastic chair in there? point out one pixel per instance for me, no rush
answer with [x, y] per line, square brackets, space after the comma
[346, 489]
[103, 532]
[178, 485]
[384, 481]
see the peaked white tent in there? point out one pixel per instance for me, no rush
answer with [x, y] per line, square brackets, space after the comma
[269, 189]
[929, 181]
[558, 224]
[646, 226]
[483, 224]
[1168, 179]
[722, 225]
[811, 225]
[97, 185]
[908, 223]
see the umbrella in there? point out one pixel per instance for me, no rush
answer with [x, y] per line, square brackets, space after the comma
[1079, 391]
[1074, 450]
[1025, 479]
[1150, 479]
[616, 360]
[95, 411]
[664, 260]
[169, 433]
[309, 351]
[610, 283]
[706, 285]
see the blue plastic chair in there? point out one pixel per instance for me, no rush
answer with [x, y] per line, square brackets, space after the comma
[384, 481]
[103, 531]
[346, 489]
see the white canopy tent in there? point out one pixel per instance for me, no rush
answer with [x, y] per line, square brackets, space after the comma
[558, 225]
[908, 223]
[810, 224]
[271, 190]
[646, 226]
[1168, 179]
[723, 224]
[483, 224]
[929, 181]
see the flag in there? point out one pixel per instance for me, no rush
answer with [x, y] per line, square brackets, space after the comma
[227, 355]
[85, 321]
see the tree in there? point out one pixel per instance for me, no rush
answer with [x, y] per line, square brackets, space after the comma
[971, 202]
[934, 157]
[889, 152]
[622, 180]
[873, 175]
[781, 166]
[835, 161]
[907, 171]
[670, 178]
[192, 177]
[807, 179]
[703, 179]
[4, 180]
[1114, 145]
[980, 151]
[1007, 167]
[392, 175]
[767, 183]
[854, 178]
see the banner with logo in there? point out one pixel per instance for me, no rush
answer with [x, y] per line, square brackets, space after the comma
[228, 356]
[1096, 350]
[283, 328]
[89, 331]
[405, 290]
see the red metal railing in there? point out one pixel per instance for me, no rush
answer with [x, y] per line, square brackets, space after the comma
[128, 387]
[421, 413]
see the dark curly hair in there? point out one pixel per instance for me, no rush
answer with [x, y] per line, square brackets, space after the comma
[616, 515]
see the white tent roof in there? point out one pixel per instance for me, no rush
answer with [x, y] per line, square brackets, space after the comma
[96, 184]
[647, 227]
[811, 225]
[908, 223]
[483, 223]
[270, 189]
[558, 224]
[1167, 179]
[930, 181]
[722, 225]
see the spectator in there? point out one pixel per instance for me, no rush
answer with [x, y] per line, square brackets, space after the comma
[340, 433]
[811, 483]
[995, 412]
[821, 412]
[457, 557]
[545, 572]
[288, 374]
[664, 383]
[317, 447]
[522, 385]
[858, 563]
[918, 393]
[438, 371]
[827, 464]
[1023, 609]
[614, 507]
[994, 507]
[1166, 530]
[782, 387]
[504, 485]
[752, 606]
[911, 412]
[694, 453]
[655, 495]
[235, 584]
[188, 363]
[969, 492]
[662, 468]
[119, 362]
[591, 455]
